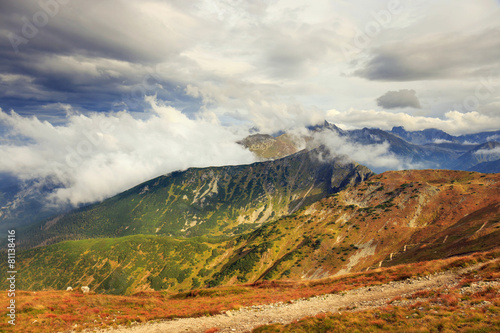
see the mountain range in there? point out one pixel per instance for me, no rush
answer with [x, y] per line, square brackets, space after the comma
[427, 149]
[24, 202]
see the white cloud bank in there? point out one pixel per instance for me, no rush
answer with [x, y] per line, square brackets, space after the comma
[377, 157]
[98, 155]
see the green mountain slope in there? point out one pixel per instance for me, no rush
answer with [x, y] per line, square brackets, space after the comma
[116, 265]
[393, 218]
[213, 201]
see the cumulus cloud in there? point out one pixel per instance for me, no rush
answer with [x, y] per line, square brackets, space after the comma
[263, 108]
[98, 155]
[399, 99]
[454, 122]
[236, 58]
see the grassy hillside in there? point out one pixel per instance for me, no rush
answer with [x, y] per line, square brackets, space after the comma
[209, 201]
[393, 218]
[118, 265]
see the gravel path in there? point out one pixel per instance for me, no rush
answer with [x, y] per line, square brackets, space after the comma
[245, 319]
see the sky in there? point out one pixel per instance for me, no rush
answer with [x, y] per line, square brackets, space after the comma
[104, 94]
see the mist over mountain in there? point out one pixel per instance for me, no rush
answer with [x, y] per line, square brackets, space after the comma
[25, 202]
[396, 149]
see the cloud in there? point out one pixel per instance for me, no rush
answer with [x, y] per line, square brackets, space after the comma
[98, 55]
[495, 137]
[439, 141]
[493, 151]
[377, 157]
[399, 99]
[454, 122]
[98, 155]
[229, 58]
[262, 107]
[432, 56]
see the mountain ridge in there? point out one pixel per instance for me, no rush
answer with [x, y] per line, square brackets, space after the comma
[206, 201]
[392, 218]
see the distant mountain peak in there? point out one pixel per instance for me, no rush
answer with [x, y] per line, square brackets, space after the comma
[325, 126]
[429, 135]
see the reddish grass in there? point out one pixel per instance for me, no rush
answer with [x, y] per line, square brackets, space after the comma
[212, 330]
[61, 310]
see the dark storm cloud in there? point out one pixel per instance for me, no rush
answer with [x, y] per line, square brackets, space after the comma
[96, 54]
[429, 57]
[106, 29]
[399, 99]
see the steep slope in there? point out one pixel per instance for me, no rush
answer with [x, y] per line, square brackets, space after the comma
[403, 149]
[326, 126]
[439, 156]
[487, 167]
[479, 138]
[21, 201]
[217, 201]
[395, 217]
[435, 213]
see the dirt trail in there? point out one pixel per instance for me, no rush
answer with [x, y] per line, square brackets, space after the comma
[245, 319]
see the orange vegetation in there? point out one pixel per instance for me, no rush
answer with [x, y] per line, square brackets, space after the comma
[48, 311]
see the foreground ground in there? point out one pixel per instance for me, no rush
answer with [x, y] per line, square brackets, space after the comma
[456, 294]
[397, 303]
